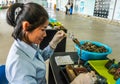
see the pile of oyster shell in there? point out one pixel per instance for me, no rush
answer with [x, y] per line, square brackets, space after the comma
[88, 46]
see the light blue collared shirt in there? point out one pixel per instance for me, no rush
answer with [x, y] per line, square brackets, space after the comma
[22, 65]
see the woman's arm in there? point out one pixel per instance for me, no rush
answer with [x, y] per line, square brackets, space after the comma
[47, 52]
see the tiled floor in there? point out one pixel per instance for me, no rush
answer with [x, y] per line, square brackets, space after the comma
[83, 29]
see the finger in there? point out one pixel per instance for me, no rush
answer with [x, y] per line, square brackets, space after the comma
[93, 73]
[65, 35]
[62, 33]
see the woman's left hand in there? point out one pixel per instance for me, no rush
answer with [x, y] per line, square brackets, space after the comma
[85, 78]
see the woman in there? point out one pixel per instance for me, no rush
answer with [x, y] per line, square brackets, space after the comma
[25, 61]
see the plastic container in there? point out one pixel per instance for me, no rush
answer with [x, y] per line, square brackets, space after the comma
[118, 81]
[86, 55]
[99, 67]
[52, 20]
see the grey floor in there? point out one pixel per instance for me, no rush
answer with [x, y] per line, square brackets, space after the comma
[83, 29]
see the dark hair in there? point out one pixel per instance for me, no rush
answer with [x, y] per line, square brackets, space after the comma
[34, 13]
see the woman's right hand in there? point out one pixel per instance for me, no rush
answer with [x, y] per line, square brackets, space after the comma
[57, 38]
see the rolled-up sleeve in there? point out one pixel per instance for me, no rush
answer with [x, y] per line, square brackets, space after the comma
[47, 52]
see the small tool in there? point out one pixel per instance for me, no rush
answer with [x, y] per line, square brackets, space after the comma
[75, 40]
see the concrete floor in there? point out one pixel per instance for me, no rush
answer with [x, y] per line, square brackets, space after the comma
[5, 37]
[83, 29]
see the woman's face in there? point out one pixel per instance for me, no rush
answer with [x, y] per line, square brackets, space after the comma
[37, 35]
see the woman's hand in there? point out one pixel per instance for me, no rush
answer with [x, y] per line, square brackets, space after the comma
[85, 78]
[57, 38]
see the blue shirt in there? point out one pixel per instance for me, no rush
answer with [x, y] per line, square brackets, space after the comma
[25, 64]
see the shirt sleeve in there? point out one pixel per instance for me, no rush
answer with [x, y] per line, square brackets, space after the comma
[47, 52]
[23, 72]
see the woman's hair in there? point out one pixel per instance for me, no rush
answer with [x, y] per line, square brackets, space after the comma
[34, 13]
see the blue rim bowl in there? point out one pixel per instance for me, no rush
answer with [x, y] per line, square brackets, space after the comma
[86, 55]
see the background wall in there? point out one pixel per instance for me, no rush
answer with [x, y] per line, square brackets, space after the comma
[89, 7]
[85, 7]
[61, 4]
[117, 11]
[111, 10]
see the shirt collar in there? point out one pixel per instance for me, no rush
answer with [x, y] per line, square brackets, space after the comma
[27, 49]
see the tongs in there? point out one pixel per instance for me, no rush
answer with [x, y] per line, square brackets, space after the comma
[75, 40]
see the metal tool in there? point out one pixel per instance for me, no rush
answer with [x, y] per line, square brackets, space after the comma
[75, 40]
